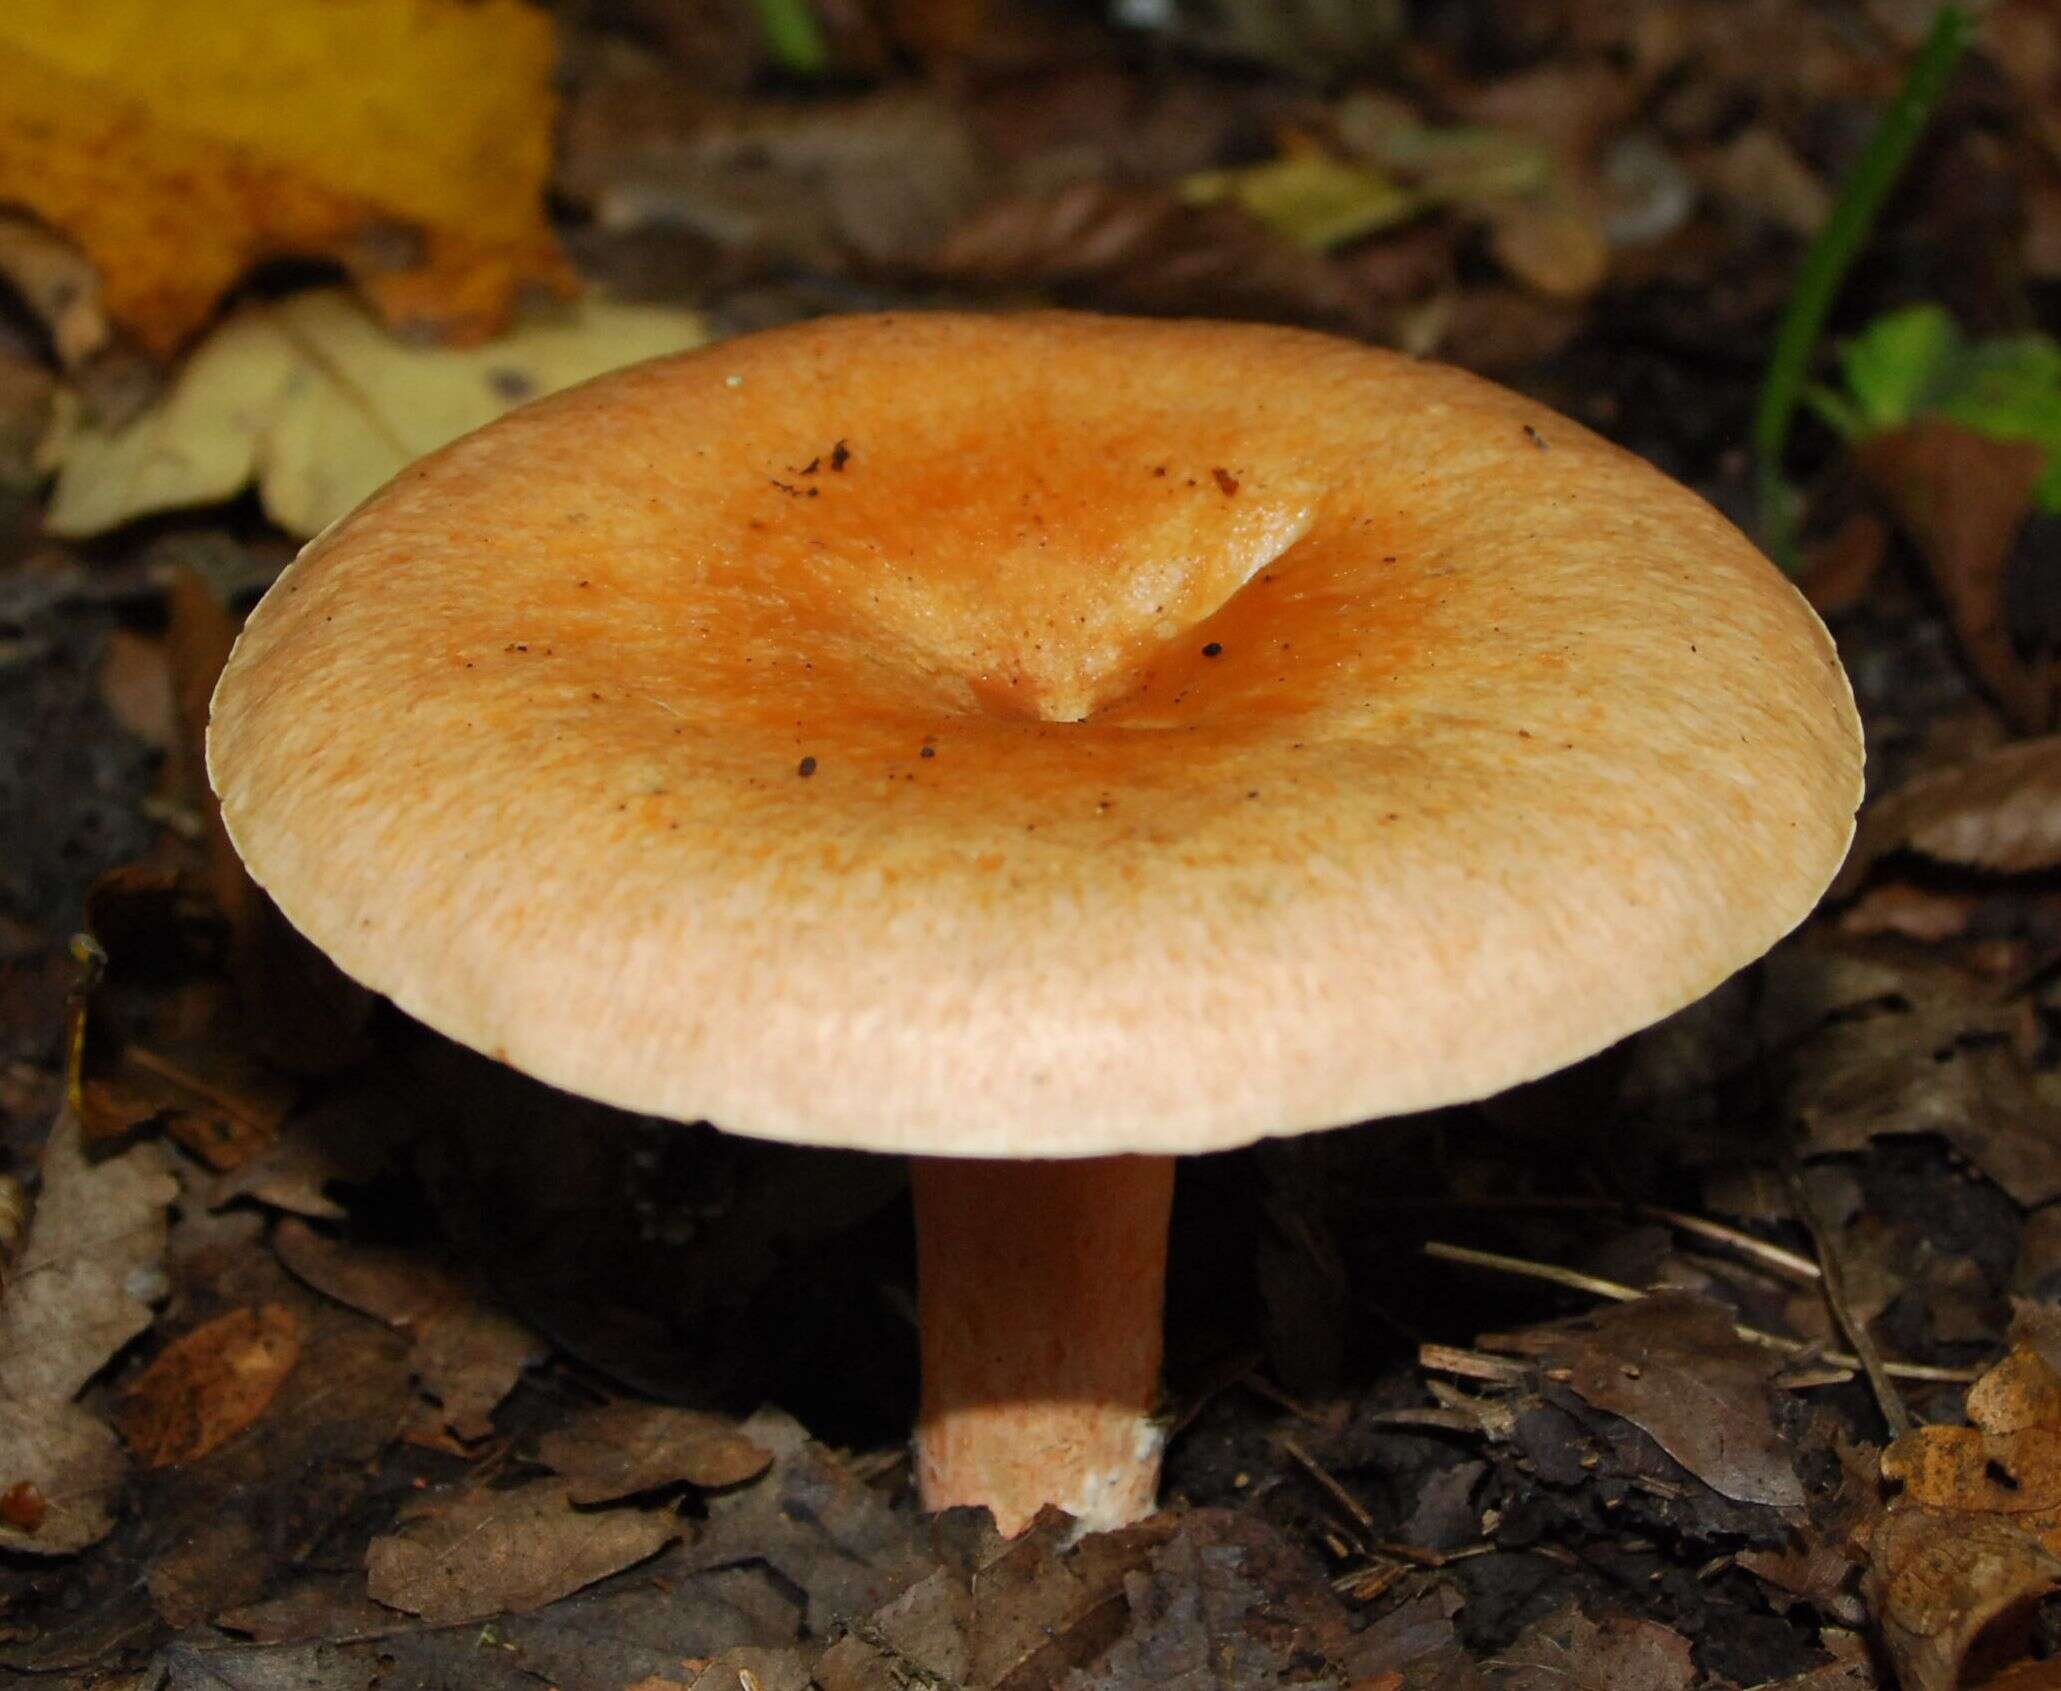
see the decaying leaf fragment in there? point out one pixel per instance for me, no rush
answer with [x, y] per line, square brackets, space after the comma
[1882, 1044]
[1569, 1652]
[319, 405]
[180, 142]
[1973, 1541]
[1673, 1365]
[72, 1302]
[487, 1552]
[624, 1449]
[468, 1352]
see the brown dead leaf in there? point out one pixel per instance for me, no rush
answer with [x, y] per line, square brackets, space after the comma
[488, 1552]
[2000, 811]
[1673, 1366]
[468, 1352]
[348, 1138]
[824, 1531]
[1569, 1652]
[1143, 249]
[1192, 1611]
[208, 1385]
[93, 1244]
[1962, 497]
[1883, 1041]
[1025, 1614]
[178, 143]
[872, 182]
[624, 1449]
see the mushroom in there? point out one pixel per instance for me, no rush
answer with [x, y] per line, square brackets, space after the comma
[1042, 745]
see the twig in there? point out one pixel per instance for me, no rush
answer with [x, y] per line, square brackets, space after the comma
[1763, 1251]
[1572, 1278]
[1618, 1292]
[1470, 1364]
[1331, 1487]
[1831, 254]
[1833, 1285]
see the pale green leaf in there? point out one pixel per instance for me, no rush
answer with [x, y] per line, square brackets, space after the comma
[318, 405]
[1310, 198]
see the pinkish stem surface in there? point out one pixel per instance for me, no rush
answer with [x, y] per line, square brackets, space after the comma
[1042, 1293]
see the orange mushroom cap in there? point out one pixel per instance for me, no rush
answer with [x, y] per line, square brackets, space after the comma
[1036, 736]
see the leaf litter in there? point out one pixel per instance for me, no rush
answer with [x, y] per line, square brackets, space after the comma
[511, 1438]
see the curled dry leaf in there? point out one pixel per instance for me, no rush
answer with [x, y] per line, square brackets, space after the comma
[178, 144]
[468, 1353]
[488, 1552]
[1673, 1366]
[625, 1449]
[73, 1300]
[1962, 497]
[1973, 1541]
[318, 404]
[2000, 811]
[208, 1385]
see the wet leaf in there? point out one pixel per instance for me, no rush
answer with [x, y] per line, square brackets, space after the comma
[467, 1352]
[319, 405]
[208, 1385]
[76, 1296]
[1673, 1366]
[488, 1552]
[624, 1449]
[179, 143]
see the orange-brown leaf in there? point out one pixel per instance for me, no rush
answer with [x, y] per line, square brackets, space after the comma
[179, 142]
[209, 1385]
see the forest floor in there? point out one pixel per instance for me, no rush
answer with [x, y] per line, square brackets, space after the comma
[336, 1357]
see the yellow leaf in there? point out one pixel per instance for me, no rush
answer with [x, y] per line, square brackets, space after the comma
[318, 404]
[178, 142]
[1309, 197]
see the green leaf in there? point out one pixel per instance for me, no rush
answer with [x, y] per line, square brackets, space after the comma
[1310, 198]
[1916, 363]
[1898, 366]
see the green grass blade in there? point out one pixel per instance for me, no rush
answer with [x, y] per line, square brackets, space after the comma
[1831, 256]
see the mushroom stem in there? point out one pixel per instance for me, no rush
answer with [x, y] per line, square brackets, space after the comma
[1041, 1293]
